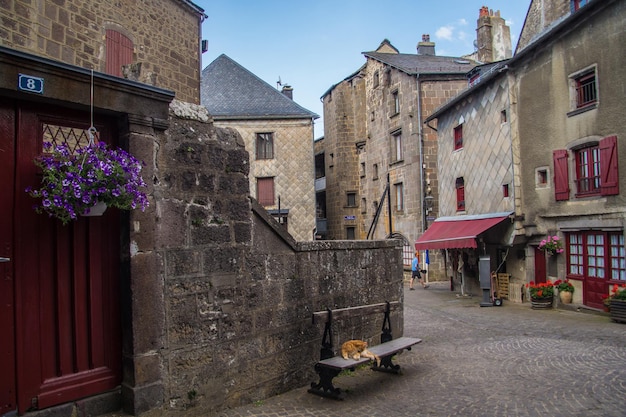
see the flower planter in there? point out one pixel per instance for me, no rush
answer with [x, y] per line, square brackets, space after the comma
[566, 297]
[618, 311]
[96, 210]
[541, 303]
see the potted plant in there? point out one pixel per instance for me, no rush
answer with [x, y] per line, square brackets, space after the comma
[617, 303]
[552, 245]
[73, 183]
[566, 290]
[541, 294]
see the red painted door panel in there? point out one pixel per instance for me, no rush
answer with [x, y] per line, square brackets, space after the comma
[67, 322]
[7, 312]
[540, 266]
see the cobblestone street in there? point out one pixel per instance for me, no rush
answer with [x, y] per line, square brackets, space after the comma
[482, 361]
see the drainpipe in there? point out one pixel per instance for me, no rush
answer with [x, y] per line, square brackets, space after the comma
[421, 151]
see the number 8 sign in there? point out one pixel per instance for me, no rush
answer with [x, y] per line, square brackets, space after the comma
[30, 84]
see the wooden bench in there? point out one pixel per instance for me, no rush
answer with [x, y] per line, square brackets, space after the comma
[329, 365]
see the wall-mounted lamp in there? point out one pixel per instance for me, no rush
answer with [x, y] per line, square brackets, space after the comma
[429, 201]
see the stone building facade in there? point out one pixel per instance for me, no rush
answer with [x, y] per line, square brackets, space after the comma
[278, 134]
[381, 172]
[159, 39]
[483, 162]
[568, 186]
[379, 160]
[577, 63]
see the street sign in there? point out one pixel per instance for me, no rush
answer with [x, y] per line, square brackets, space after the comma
[30, 84]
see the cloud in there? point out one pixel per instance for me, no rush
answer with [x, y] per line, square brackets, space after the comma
[445, 32]
[462, 22]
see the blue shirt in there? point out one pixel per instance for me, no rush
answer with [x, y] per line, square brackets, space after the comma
[415, 264]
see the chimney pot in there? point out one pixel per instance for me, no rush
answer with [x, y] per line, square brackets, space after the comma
[288, 91]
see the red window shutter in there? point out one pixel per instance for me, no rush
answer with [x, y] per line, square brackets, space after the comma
[265, 191]
[609, 172]
[119, 51]
[561, 177]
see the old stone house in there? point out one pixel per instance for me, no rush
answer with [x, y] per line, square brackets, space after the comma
[541, 140]
[380, 162]
[278, 134]
[477, 183]
[571, 183]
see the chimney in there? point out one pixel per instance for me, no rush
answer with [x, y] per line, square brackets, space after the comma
[426, 47]
[287, 91]
[493, 36]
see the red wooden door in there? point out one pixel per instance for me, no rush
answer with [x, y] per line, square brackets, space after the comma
[595, 286]
[540, 266]
[67, 342]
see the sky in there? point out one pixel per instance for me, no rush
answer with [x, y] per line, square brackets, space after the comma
[312, 45]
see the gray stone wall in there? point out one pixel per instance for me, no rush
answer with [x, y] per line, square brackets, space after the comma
[237, 290]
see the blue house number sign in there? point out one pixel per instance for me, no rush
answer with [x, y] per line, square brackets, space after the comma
[30, 84]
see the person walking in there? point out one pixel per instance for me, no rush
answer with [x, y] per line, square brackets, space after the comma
[415, 272]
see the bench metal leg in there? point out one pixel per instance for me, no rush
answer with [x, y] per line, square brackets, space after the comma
[387, 366]
[325, 387]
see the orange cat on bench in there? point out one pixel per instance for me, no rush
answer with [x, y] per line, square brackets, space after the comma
[355, 349]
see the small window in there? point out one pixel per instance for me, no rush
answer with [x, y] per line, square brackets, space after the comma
[265, 191]
[351, 199]
[375, 167]
[503, 116]
[541, 177]
[362, 169]
[397, 147]
[399, 189]
[363, 205]
[458, 137]
[460, 194]
[577, 4]
[376, 79]
[505, 190]
[583, 91]
[372, 116]
[586, 93]
[264, 146]
[395, 109]
[350, 233]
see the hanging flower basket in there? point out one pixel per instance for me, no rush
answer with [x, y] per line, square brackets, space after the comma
[97, 209]
[73, 183]
[552, 245]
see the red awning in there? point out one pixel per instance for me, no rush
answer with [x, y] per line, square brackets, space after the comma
[455, 234]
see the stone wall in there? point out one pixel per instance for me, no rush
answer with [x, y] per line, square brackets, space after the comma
[164, 35]
[238, 290]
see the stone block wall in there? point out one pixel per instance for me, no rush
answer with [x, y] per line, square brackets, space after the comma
[164, 35]
[231, 323]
